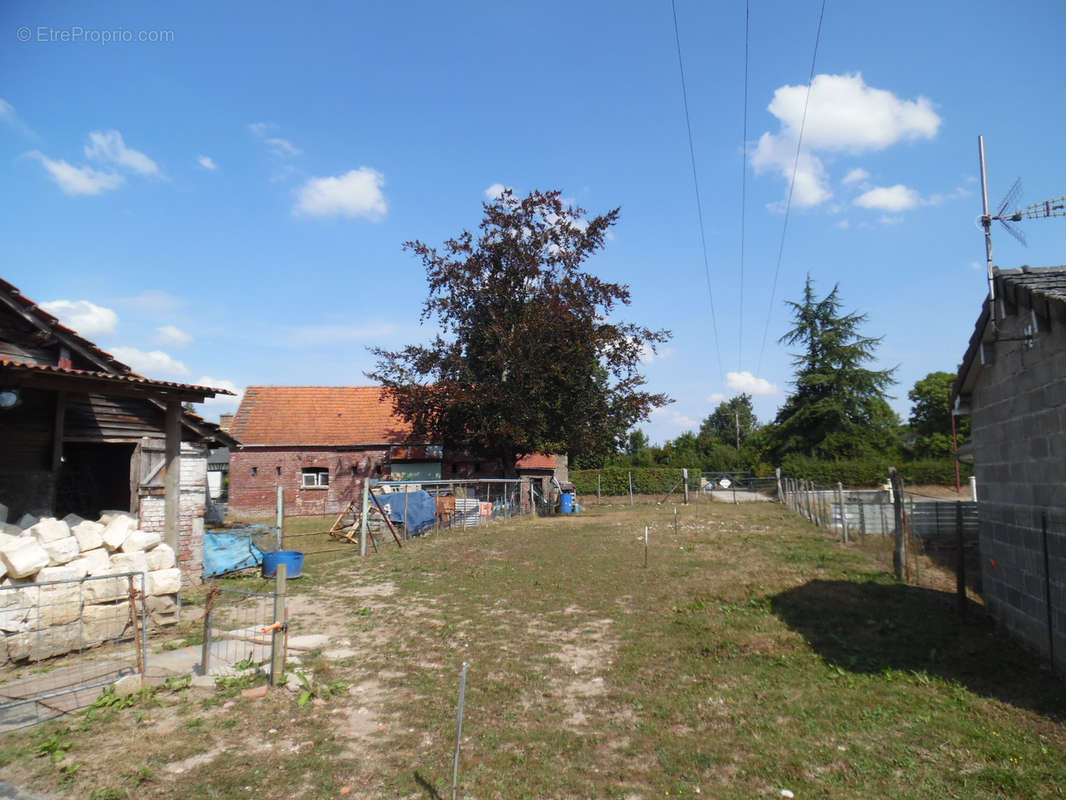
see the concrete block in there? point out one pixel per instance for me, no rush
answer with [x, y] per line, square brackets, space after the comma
[62, 551]
[67, 572]
[10, 529]
[72, 520]
[160, 557]
[7, 539]
[45, 643]
[50, 530]
[129, 684]
[164, 581]
[16, 610]
[79, 565]
[98, 562]
[24, 559]
[3, 513]
[109, 514]
[163, 609]
[102, 623]
[89, 535]
[116, 531]
[27, 521]
[140, 540]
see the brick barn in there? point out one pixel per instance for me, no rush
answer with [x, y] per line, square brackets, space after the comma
[319, 443]
[1012, 384]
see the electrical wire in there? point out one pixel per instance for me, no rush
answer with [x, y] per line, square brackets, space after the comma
[696, 184]
[743, 184]
[791, 187]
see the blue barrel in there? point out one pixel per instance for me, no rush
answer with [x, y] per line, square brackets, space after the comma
[293, 561]
[566, 503]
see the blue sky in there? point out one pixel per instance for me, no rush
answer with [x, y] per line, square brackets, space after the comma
[224, 202]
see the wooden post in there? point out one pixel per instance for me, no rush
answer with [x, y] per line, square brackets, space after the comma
[631, 487]
[684, 478]
[645, 547]
[277, 638]
[777, 474]
[599, 498]
[279, 519]
[405, 499]
[843, 511]
[57, 444]
[960, 568]
[172, 481]
[363, 517]
[899, 555]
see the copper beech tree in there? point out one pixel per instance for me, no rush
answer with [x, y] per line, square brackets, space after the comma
[529, 357]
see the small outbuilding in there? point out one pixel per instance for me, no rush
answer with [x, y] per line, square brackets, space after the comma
[1012, 384]
[82, 433]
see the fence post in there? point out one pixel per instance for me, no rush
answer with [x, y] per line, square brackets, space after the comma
[277, 638]
[684, 478]
[843, 511]
[862, 516]
[631, 487]
[960, 571]
[777, 474]
[973, 488]
[599, 498]
[363, 517]
[205, 650]
[279, 519]
[899, 555]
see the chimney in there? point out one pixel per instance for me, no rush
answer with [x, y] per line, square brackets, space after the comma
[225, 421]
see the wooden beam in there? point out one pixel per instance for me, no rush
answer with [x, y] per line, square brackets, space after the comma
[172, 481]
[89, 384]
[57, 444]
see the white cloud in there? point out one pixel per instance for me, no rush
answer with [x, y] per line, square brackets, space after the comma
[746, 383]
[152, 364]
[282, 148]
[9, 117]
[856, 175]
[889, 198]
[715, 397]
[207, 162]
[885, 219]
[356, 193]
[495, 192]
[675, 419]
[86, 318]
[843, 224]
[844, 114]
[172, 335]
[222, 404]
[153, 301]
[78, 180]
[977, 265]
[647, 355]
[261, 129]
[109, 147]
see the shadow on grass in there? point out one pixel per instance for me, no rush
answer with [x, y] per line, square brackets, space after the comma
[872, 627]
[431, 792]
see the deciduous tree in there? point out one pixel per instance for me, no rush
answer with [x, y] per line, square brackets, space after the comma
[530, 357]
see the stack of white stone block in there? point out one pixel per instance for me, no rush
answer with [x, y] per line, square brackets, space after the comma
[57, 592]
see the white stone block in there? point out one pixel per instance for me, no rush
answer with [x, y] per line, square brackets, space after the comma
[140, 541]
[116, 532]
[16, 609]
[7, 539]
[27, 521]
[67, 572]
[160, 557]
[24, 559]
[102, 623]
[164, 581]
[10, 529]
[50, 530]
[59, 604]
[129, 562]
[62, 551]
[89, 535]
[98, 562]
[106, 589]
[3, 513]
[45, 643]
[72, 520]
[79, 565]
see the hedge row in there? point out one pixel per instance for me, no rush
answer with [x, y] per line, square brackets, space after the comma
[872, 471]
[615, 480]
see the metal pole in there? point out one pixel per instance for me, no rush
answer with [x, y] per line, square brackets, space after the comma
[459, 733]
[955, 452]
[363, 517]
[843, 511]
[279, 519]
[277, 638]
[899, 555]
[684, 477]
[986, 222]
[630, 487]
[645, 547]
[960, 571]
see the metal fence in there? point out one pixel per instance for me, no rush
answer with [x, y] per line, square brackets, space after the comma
[99, 622]
[239, 627]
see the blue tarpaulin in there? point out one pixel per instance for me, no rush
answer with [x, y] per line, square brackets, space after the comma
[232, 550]
[421, 509]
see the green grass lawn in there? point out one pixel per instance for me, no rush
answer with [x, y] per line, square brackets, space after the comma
[752, 654]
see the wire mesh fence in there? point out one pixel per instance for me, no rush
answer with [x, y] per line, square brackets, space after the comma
[99, 623]
[238, 630]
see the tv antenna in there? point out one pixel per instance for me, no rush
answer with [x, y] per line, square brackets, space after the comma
[1048, 208]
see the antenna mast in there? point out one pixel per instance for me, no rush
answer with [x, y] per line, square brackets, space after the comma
[986, 223]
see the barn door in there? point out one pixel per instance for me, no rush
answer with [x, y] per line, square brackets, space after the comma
[148, 470]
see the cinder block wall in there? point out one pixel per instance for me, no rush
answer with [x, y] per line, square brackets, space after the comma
[1019, 433]
[255, 474]
[191, 507]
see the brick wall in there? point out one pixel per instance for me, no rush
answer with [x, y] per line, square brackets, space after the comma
[191, 507]
[256, 472]
[1019, 433]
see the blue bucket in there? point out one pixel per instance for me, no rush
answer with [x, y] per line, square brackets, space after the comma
[566, 503]
[293, 561]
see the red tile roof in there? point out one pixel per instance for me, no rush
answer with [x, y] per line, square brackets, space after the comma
[536, 461]
[317, 415]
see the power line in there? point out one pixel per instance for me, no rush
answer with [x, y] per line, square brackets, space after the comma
[696, 184]
[743, 183]
[791, 187]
